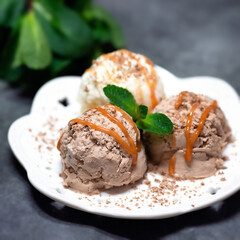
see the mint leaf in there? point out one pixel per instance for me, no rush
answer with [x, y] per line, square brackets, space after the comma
[34, 48]
[122, 98]
[142, 111]
[156, 123]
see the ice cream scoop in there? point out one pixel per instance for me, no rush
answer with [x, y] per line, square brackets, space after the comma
[201, 132]
[101, 149]
[123, 68]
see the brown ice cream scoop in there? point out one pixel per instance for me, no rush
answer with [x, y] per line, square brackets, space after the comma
[201, 131]
[101, 149]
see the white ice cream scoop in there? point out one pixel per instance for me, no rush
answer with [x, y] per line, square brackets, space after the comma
[123, 68]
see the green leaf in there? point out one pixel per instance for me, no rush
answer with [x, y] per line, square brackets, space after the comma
[97, 14]
[74, 27]
[156, 123]
[79, 5]
[142, 111]
[67, 33]
[101, 33]
[59, 64]
[122, 98]
[13, 74]
[10, 11]
[59, 43]
[17, 59]
[34, 48]
[97, 52]
[7, 70]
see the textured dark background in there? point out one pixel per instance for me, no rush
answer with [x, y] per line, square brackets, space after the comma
[187, 37]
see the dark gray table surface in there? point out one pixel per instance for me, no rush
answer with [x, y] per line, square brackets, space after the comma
[187, 37]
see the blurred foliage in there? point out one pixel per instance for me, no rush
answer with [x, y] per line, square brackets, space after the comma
[42, 39]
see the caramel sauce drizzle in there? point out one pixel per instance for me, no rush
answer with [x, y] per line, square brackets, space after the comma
[172, 162]
[152, 87]
[180, 98]
[109, 132]
[129, 147]
[109, 75]
[131, 143]
[140, 92]
[131, 122]
[151, 84]
[191, 140]
[171, 168]
[110, 56]
[59, 141]
[173, 141]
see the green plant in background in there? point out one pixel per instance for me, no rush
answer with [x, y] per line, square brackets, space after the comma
[42, 39]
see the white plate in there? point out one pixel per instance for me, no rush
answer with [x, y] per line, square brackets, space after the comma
[33, 139]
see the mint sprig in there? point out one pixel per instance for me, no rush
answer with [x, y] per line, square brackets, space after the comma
[142, 111]
[155, 122]
[122, 98]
